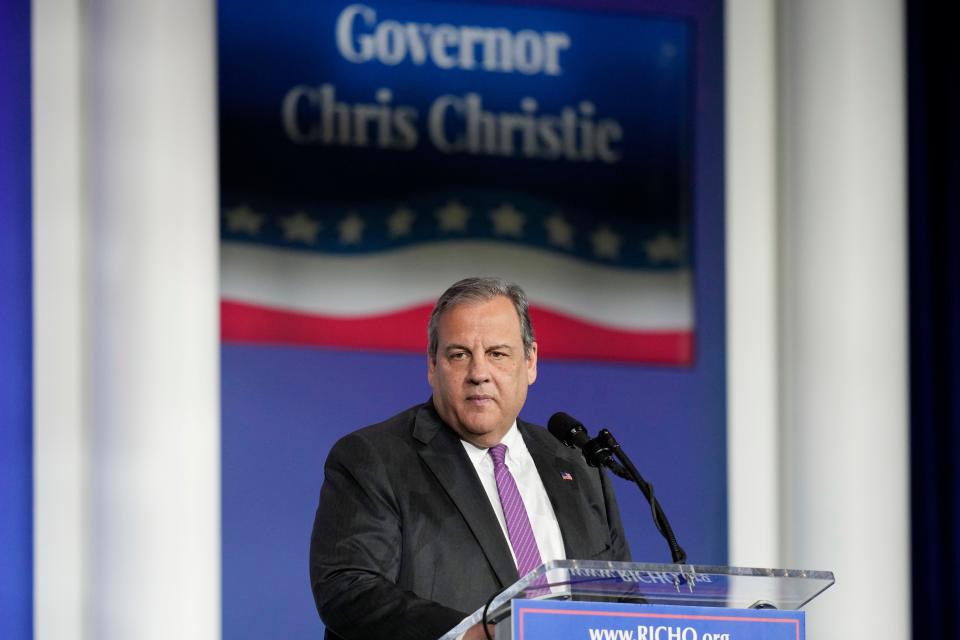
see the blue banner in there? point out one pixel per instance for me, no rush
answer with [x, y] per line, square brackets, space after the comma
[556, 144]
[533, 619]
[341, 102]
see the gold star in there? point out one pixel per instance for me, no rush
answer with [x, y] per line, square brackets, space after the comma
[453, 216]
[663, 248]
[300, 227]
[559, 231]
[400, 222]
[351, 229]
[606, 243]
[243, 219]
[507, 221]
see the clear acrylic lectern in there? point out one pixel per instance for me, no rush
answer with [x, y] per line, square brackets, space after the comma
[660, 584]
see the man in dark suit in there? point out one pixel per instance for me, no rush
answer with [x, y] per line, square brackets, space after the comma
[413, 531]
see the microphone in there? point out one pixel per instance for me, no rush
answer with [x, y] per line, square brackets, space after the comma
[568, 430]
[573, 434]
[600, 451]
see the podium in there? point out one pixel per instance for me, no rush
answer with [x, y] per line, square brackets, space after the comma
[594, 600]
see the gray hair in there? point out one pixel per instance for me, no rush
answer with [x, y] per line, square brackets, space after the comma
[481, 290]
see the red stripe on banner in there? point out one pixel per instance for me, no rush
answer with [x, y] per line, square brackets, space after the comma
[395, 331]
[560, 336]
[563, 336]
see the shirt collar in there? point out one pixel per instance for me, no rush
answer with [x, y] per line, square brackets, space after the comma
[511, 438]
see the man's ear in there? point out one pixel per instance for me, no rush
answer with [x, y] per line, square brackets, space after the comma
[532, 364]
[431, 368]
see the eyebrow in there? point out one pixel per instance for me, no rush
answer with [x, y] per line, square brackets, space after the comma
[460, 347]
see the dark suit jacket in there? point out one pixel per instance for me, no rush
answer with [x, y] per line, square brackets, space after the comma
[405, 543]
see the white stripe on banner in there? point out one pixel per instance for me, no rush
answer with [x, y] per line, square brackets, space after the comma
[367, 284]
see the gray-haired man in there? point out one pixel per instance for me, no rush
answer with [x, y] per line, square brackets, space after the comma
[427, 514]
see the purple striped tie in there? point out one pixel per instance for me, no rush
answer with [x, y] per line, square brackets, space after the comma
[518, 524]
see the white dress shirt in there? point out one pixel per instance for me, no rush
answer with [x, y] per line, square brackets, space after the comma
[543, 520]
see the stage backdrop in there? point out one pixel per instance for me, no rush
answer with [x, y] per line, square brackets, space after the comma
[16, 326]
[373, 153]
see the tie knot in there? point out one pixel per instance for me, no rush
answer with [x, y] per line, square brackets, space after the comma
[498, 453]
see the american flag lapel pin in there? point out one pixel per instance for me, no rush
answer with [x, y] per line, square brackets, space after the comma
[566, 475]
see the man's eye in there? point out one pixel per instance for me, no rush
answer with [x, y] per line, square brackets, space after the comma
[498, 355]
[460, 355]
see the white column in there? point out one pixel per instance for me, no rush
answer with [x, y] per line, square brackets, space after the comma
[844, 331]
[751, 250]
[139, 323]
[156, 513]
[61, 330]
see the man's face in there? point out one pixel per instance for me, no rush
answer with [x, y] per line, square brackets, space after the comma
[481, 374]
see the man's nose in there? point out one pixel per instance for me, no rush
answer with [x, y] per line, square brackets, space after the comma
[479, 372]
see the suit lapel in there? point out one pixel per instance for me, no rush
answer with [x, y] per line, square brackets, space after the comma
[442, 452]
[565, 494]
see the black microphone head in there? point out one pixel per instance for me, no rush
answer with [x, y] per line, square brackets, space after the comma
[567, 429]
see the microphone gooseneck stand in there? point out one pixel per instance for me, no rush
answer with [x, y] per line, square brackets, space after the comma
[598, 449]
